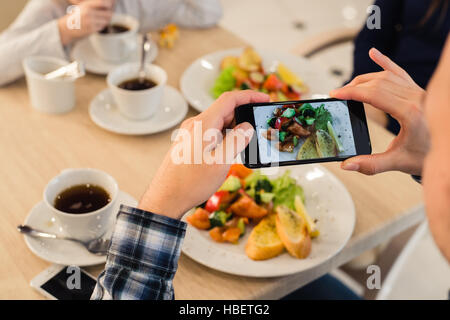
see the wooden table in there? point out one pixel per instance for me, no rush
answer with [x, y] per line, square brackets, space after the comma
[34, 147]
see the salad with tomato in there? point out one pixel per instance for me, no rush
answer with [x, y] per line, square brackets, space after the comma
[247, 72]
[244, 198]
[292, 124]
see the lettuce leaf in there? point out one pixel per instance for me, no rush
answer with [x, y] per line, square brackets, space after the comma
[224, 82]
[285, 189]
[322, 118]
[282, 190]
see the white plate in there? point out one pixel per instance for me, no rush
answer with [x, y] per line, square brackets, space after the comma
[62, 251]
[198, 79]
[83, 51]
[327, 200]
[105, 114]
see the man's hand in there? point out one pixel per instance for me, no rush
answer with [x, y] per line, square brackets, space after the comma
[178, 187]
[394, 92]
[94, 16]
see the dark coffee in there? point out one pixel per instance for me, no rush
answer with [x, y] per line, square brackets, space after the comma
[114, 28]
[82, 198]
[137, 84]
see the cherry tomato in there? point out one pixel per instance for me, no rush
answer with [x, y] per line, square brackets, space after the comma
[272, 83]
[292, 95]
[279, 122]
[213, 203]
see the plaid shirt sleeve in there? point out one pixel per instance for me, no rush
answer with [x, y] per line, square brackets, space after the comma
[143, 257]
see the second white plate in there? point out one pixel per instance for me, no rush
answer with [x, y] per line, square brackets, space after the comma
[327, 200]
[198, 79]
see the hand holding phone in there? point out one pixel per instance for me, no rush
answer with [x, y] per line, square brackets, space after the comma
[307, 131]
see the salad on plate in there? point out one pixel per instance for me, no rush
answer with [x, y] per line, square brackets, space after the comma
[247, 72]
[272, 210]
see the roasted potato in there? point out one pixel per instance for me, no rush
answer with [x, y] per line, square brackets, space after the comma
[250, 60]
[229, 61]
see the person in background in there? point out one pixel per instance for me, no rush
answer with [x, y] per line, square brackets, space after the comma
[42, 28]
[422, 147]
[146, 243]
[412, 34]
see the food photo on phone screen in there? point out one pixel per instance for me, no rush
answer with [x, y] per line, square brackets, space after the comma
[304, 131]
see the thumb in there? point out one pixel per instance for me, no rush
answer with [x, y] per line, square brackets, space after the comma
[235, 141]
[370, 164]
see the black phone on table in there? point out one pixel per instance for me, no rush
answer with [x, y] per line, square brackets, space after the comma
[306, 131]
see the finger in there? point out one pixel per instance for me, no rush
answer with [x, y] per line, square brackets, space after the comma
[228, 101]
[377, 97]
[102, 14]
[387, 64]
[222, 110]
[234, 142]
[362, 78]
[383, 75]
[100, 21]
[101, 4]
[370, 164]
[100, 25]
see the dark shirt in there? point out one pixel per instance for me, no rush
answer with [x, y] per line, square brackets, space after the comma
[414, 47]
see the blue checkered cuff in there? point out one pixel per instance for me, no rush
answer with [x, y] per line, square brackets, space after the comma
[143, 256]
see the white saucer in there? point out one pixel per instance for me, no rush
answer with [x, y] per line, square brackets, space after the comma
[105, 114]
[83, 51]
[62, 251]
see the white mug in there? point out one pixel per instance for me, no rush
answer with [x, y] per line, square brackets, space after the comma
[116, 47]
[137, 104]
[84, 226]
[48, 95]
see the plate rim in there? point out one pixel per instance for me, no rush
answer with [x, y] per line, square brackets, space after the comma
[282, 274]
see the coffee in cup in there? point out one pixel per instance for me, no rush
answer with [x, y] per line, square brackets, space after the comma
[117, 41]
[137, 84]
[135, 99]
[82, 200]
[114, 28]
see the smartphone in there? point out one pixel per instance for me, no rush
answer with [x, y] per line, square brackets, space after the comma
[64, 283]
[306, 131]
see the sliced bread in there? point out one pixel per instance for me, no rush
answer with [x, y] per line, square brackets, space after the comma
[293, 232]
[264, 242]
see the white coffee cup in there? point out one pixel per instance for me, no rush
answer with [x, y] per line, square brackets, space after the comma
[48, 95]
[116, 47]
[137, 104]
[84, 226]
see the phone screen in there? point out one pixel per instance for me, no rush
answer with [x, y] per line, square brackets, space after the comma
[305, 131]
[57, 286]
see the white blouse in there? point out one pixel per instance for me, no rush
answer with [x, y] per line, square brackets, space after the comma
[35, 31]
